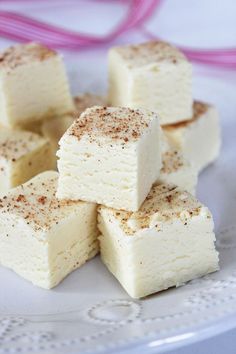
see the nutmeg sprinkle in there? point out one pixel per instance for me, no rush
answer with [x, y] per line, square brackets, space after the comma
[113, 123]
[167, 201]
[172, 161]
[24, 53]
[150, 53]
[14, 145]
[36, 203]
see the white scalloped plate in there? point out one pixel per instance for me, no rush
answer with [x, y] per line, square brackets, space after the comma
[90, 312]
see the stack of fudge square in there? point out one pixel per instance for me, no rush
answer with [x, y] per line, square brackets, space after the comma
[127, 164]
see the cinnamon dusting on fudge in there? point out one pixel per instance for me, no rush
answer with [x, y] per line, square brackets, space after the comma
[20, 198]
[22, 54]
[115, 123]
[14, 145]
[164, 203]
[42, 199]
[37, 204]
[172, 161]
[150, 53]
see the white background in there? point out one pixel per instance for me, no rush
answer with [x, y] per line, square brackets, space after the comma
[202, 23]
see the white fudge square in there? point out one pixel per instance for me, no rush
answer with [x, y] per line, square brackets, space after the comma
[178, 171]
[22, 156]
[33, 85]
[111, 156]
[199, 139]
[152, 75]
[44, 239]
[168, 242]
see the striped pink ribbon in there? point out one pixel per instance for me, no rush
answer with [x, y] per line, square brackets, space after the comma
[22, 28]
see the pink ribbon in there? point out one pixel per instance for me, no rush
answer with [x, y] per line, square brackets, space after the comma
[23, 28]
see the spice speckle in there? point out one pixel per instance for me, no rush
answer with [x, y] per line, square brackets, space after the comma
[24, 53]
[14, 146]
[172, 161]
[36, 202]
[113, 123]
[164, 203]
[152, 52]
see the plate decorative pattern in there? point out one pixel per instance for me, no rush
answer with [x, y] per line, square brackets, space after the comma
[90, 313]
[112, 318]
